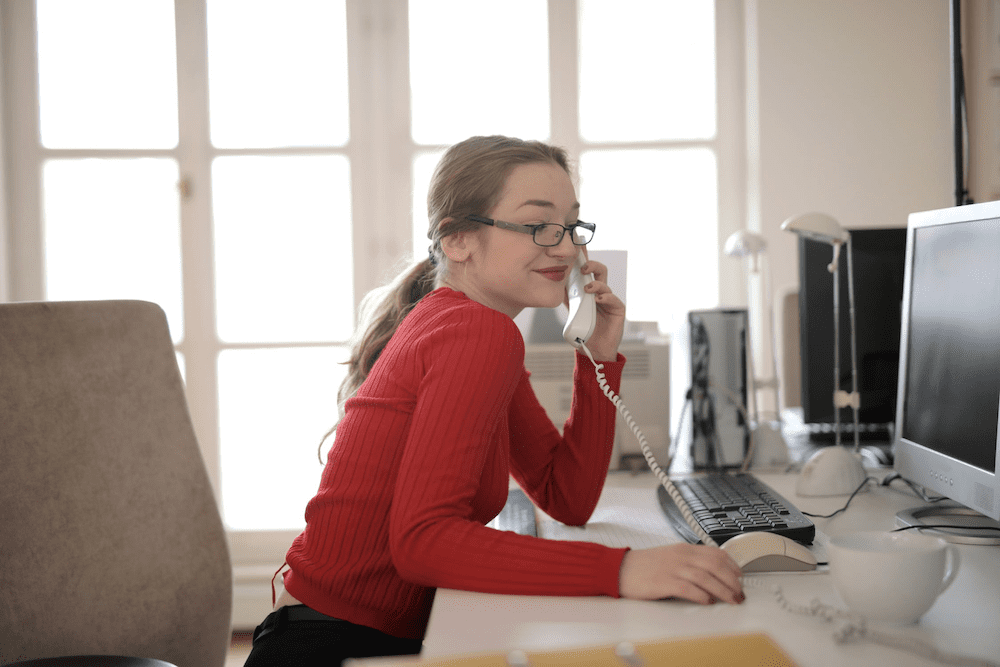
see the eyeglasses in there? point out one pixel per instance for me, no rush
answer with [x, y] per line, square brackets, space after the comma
[547, 234]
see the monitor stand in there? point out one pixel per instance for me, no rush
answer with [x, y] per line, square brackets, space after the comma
[961, 525]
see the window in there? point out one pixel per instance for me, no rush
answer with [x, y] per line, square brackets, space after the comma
[256, 171]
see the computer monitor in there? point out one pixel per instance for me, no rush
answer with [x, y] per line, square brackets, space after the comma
[948, 408]
[878, 259]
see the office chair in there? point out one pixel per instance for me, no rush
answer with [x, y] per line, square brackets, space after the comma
[92, 661]
[111, 541]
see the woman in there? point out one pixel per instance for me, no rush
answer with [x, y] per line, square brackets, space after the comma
[438, 411]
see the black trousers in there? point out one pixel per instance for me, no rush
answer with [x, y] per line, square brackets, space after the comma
[300, 637]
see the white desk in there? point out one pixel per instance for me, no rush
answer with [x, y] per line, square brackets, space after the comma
[965, 619]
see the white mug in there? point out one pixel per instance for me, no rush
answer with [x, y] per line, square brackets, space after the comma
[891, 577]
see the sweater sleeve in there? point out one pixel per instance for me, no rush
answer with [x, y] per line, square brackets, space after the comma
[564, 474]
[456, 452]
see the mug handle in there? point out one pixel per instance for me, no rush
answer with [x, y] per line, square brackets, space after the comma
[952, 571]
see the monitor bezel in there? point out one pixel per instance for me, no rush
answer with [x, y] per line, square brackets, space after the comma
[973, 487]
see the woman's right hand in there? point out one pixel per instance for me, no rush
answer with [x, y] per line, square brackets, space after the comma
[692, 572]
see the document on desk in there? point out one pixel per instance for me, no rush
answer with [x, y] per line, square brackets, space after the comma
[630, 518]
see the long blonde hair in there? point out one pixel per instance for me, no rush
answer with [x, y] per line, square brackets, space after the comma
[468, 180]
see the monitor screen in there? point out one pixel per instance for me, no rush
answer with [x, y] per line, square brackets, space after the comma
[878, 262]
[948, 421]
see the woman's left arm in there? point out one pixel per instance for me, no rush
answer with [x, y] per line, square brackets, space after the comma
[564, 473]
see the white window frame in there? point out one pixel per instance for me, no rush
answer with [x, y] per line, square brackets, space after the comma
[381, 153]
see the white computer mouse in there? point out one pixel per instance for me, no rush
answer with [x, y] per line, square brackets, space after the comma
[769, 552]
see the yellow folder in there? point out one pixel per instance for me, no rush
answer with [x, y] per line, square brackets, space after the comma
[744, 650]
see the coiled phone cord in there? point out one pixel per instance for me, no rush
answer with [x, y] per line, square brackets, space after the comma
[672, 490]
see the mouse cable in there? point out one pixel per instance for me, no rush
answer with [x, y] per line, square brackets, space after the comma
[943, 526]
[847, 504]
[918, 490]
[675, 494]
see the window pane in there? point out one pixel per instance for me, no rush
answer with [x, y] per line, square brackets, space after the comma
[661, 206]
[278, 73]
[478, 68]
[652, 78]
[283, 248]
[274, 407]
[107, 74]
[423, 169]
[112, 231]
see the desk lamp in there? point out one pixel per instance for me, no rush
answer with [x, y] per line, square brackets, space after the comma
[770, 445]
[833, 471]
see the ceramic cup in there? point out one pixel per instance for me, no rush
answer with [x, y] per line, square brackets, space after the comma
[891, 577]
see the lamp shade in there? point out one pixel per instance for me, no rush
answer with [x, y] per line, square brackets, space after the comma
[743, 242]
[818, 227]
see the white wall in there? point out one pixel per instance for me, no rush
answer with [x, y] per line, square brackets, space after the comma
[981, 41]
[849, 113]
[4, 225]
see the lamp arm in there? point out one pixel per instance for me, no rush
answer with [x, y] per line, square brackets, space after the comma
[751, 366]
[835, 270]
[775, 378]
[855, 396]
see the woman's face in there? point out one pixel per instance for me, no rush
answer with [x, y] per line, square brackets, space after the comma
[505, 269]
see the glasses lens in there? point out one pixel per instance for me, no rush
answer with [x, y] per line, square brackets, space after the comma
[582, 235]
[549, 235]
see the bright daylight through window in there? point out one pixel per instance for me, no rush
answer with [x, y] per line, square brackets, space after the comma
[245, 189]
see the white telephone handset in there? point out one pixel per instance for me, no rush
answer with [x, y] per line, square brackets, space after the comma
[582, 308]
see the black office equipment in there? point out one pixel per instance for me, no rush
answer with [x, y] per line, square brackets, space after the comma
[879, 261]
[727, 505]
[717, 339]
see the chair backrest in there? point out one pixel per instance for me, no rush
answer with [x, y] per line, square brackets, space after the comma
[111, 540]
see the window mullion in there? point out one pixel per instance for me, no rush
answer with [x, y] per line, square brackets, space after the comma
[731, 141]
[564, 74]
[380, 148]
[200, 344]
[23, 153]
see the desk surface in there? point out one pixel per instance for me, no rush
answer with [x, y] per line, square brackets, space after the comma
[964, 620]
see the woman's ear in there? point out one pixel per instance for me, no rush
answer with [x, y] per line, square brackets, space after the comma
[454, 247]
[458, 246]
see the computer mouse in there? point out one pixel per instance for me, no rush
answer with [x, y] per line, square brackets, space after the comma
[769, 552]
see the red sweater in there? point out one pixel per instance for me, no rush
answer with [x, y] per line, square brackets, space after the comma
[420, 464]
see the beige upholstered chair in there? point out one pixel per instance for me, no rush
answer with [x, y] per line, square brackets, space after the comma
[110, 537]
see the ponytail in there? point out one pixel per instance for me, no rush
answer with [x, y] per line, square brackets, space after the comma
[382, 310]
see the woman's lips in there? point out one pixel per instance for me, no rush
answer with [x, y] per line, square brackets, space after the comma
[555, 274]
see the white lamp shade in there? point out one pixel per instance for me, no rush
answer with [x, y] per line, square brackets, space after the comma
[743, 242]
[818, 227]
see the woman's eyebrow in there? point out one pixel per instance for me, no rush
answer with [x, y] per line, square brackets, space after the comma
[545, 204]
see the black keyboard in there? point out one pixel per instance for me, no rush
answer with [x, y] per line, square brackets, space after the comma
[727, 505]
[518, 515]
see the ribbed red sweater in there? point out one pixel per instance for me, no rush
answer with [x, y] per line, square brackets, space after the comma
[421, 461]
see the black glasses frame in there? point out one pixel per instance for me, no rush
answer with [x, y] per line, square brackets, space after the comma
[534, 229]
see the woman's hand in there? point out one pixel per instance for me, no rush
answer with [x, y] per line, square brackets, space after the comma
[692, 572]
[610, 326]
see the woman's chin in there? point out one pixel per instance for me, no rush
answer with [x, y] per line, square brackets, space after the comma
[552, 303]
